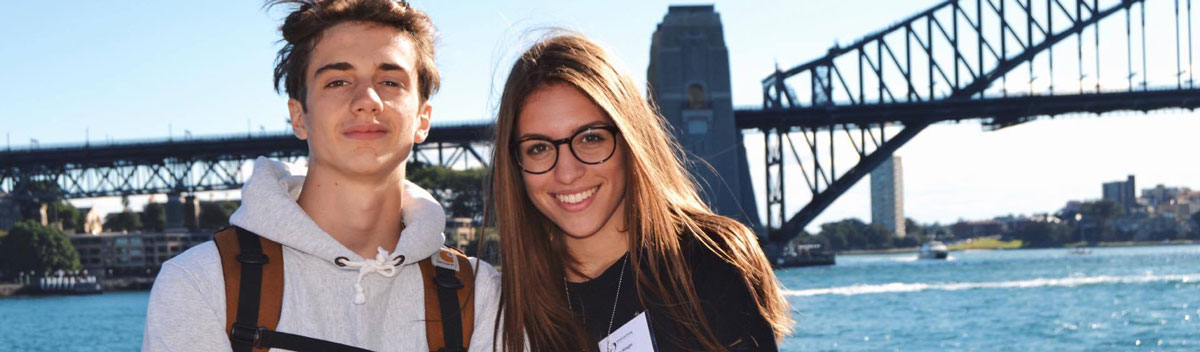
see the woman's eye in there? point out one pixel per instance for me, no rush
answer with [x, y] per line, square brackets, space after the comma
[337, 83]
[537, 149]
[593, 138]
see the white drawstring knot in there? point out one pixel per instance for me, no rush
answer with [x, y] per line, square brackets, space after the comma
[379, 265]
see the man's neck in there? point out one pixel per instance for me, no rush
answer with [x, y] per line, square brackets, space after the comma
[360, 213]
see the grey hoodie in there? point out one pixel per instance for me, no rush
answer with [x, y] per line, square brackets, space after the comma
[187, 302]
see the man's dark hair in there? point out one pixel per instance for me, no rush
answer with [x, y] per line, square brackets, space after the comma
[303, 27]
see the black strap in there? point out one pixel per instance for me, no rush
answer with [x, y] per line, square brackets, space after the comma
[246, 333]
[447, 288]
[292, 342]
[242, 337]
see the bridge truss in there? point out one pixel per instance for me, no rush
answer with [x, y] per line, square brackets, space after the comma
[991, 60]
[194, 164]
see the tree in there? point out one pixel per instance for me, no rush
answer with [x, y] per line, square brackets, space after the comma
[124, 221]
[1097, 220]
[1196, 225]
[30, 195]
[215, 215]
[1045, 234]
[154, 217]
[65, 214]
[459, 191]
[29, 246]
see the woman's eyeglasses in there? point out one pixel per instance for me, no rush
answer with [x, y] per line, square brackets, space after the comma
[592, 145]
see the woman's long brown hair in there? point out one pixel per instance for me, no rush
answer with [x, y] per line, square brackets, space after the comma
[663, 213]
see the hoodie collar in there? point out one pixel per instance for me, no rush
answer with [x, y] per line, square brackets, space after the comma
[269, 209]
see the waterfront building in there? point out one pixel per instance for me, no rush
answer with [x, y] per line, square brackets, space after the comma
[460, 232]
[112, 254]
[1122, 192]
[887, 196]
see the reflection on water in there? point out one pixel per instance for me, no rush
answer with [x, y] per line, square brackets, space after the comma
[1020, 300]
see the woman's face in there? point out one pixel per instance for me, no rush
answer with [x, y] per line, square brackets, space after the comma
[580, 198]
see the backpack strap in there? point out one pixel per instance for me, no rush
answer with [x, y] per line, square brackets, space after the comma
[253, 271]
[449, 300]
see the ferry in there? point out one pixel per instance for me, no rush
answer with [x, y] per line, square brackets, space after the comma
[62, 284]
[933, 250]
[805, 255]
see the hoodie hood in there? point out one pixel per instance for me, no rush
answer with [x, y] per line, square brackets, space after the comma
[269, 209]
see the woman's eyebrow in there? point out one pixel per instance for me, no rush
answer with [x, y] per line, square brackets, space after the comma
[577, 130]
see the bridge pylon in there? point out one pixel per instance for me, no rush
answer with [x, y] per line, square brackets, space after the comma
[690, 82]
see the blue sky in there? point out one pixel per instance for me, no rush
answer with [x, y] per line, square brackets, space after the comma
[132, 70]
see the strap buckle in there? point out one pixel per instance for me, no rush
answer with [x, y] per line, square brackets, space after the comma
[253, 258]
[247, 334]
[448, 281]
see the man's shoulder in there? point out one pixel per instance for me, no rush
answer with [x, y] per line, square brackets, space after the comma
[201, 263]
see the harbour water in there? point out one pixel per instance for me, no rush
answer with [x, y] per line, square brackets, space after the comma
[1114, 299]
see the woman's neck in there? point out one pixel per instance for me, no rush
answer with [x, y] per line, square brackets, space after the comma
[597, 252]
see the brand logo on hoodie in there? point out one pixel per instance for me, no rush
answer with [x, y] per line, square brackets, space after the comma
[446, 259]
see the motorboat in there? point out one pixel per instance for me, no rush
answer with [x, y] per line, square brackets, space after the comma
[933, 250]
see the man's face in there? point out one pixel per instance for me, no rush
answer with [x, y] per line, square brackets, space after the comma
[363, 111]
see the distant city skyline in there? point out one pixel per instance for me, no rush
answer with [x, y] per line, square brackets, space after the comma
[98, 71]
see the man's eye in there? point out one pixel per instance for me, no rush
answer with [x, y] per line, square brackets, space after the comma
[390, 83]
[337, 83]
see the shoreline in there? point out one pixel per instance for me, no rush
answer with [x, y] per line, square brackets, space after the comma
[1068, 246]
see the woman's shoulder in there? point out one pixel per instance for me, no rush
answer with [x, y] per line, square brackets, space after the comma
[709, 269]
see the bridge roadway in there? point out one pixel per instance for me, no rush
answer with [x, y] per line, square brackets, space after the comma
[229, 147]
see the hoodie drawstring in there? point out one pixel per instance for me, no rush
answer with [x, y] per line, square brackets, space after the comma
[379, 265]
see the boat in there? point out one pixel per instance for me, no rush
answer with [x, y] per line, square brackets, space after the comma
[805, 255]
[933, 250]
[62, 284]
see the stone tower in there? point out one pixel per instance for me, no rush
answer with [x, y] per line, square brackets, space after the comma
[689, 80]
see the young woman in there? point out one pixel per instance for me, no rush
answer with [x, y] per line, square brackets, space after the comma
[599, 221]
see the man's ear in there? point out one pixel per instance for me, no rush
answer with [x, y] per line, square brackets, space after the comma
[296, 111]
[423, 116]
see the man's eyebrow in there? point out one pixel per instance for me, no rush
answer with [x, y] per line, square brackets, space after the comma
[340, 66]
[391, 67]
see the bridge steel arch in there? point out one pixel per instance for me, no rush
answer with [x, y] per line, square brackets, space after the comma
[954, 61]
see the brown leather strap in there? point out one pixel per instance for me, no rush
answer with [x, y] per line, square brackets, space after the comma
[466, 298]
[271, 299]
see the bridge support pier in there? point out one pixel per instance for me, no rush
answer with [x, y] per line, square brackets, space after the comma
[689, 80]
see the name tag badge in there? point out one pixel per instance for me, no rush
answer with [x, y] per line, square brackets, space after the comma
[634, 336]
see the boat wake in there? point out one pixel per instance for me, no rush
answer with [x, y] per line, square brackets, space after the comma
[900, 287]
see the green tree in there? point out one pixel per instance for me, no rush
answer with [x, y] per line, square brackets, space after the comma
[30, 195]
[215, 215]
[124, 221]
[1045, 234]
[154, 217]
[67, 215]
[459, 191]
[1097, 220]
[29, 246]
[855, 234]
[1196, 225]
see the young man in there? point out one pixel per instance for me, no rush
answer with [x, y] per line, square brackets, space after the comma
[359, 74]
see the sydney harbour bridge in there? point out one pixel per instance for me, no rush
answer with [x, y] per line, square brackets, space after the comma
[1001, 62]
